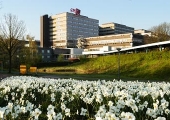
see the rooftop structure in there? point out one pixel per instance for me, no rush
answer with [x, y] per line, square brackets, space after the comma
[143, 32]
[114, 28]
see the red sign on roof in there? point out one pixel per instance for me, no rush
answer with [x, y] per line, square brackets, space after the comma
[76, 11]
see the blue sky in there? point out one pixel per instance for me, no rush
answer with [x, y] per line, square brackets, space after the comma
[140, 14]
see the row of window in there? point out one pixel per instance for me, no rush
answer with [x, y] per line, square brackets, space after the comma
[84, 35]
[60, 44]
[83, 27]
[45, 56]
[82, 20]
[83, 24]
[81, 30]
[59, 18]
[58, 38]
[61, 38]
[61, 34]
[43, 51]
[109, 41]
[60, 30]
[125, 29]
[59, 26]
[63, 24]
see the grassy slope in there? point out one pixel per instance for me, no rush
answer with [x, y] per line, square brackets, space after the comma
[152, 65]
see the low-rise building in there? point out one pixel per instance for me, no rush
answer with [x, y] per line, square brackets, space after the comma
[143, 32]
[27, 42]
[114, 41]
[67, 52]
[46, 54]
[114, 28]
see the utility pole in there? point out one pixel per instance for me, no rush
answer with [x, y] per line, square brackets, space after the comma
[118, 49]
[1, 66]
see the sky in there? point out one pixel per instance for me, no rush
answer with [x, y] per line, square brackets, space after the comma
[140, 14]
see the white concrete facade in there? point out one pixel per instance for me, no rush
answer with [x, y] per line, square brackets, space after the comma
[75, 52]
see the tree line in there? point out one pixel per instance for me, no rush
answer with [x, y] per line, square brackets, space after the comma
[159, 33]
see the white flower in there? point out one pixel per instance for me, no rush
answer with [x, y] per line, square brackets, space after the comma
[9, 108]
[52, 97]
[51, 115]
[114, 109]
[155, 106]
[141, 107]
[120, 104]
[99, 118]
[160, 118]
[12, 93]
[6, 97]
[17, 108]
[36, 113]
[130, 102]
[101, 112]
[151, 112]
[99, 98]
[33, 95]
[167, 111]
[63, 106]
[2, 111]
[110, 103]
[134, 108]
[145, 103]
[14, 115]
[127, 116]
[83, 111]
[23, 109]
[29, 106]
[58, 116]
[164, 104]
[50, 108]
[111, 116]
[67, 112]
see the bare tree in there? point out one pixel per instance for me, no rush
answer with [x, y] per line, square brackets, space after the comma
[163, 28]
[159, 33]
[29, 55]
[11, 33]
[32, 45]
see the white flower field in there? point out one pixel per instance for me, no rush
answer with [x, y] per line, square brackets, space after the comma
[33, 98]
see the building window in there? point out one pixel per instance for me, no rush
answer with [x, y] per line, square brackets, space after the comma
[42, 51]
[48, 51]
[42, 57]
[48, 56]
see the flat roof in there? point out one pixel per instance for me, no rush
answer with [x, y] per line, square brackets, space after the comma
[126, 49]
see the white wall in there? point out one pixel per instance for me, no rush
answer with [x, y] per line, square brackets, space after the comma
[74, 52]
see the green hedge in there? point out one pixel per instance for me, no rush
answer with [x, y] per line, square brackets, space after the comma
[53, 64]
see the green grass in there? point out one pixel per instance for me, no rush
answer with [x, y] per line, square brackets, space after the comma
[153, 65]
